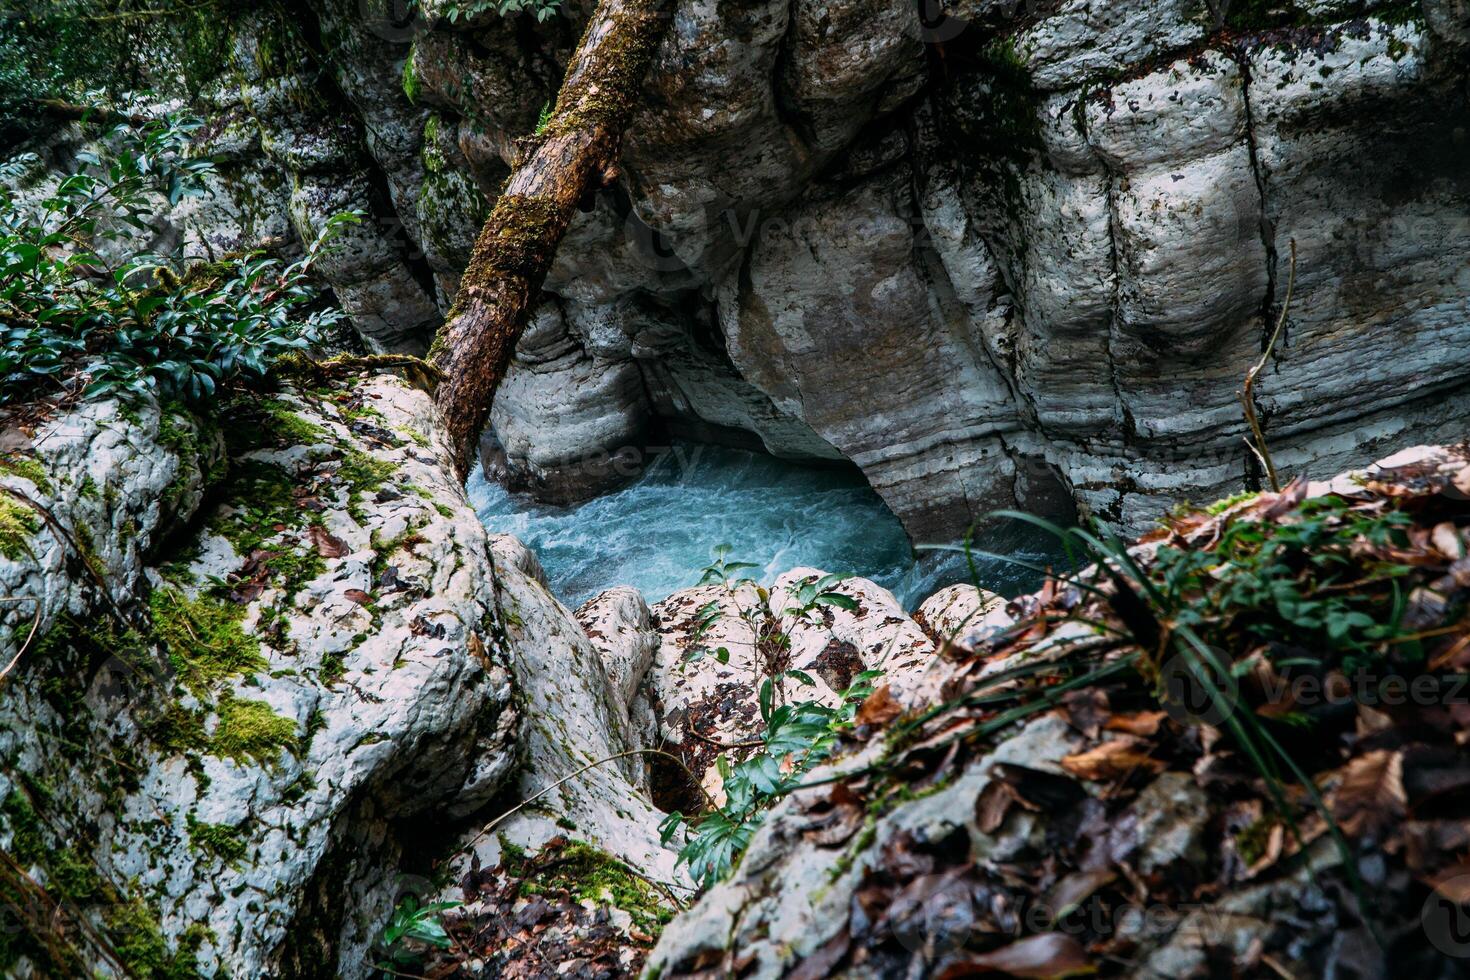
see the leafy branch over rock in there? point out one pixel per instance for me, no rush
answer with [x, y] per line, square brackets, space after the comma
[87, 311]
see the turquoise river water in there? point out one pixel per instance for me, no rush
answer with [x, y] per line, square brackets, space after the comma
[657, 533]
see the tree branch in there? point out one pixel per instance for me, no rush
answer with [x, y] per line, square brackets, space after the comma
[574, 154]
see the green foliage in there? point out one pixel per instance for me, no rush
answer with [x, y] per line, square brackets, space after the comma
[795, 735]
[87, 51]
[205, 638]
[86, 307]
[364, 473]
[1221, 506]
[1271, 579]
[27, 468]
[795, 738]
[221, 840]
[589, 875]
[542, 10]
[410, 80]
[1306, 584]
[140, 944]
[17, 524]
[410, 929]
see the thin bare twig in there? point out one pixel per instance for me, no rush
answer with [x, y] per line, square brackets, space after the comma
[573, 775]
[1247, 393]
[747, 744]
[35, 625]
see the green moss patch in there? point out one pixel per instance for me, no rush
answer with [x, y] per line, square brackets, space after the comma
[131, 928]
[290, 428]
[220, 840]
[27, 468]
[251, 730]
[139, 943]
[1221, 506]
[18, 524]
[205, 638]
[271, 424]
[362, 474]
[263, 504]
[589, 874]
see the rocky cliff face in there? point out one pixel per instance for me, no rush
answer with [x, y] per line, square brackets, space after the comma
[223, 716]
[997, 253]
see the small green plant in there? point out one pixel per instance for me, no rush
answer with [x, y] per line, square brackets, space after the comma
[544, 119]
[1307, 584]
[795, 738]
[411, 931]
[542, 10]
[795, 735]
[85, 309]
[1309, 575]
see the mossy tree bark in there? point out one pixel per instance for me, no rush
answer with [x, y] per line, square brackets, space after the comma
[574, 154]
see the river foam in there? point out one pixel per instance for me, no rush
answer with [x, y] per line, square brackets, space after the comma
[657, 533]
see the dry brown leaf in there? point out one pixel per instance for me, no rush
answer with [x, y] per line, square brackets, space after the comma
[1087, 710]
[1462, 480]
[1143, 723]
[1446, 540]
[1111, 760]
[1370, 794]
[821, 963]
[1076, 888]
[1285, 501]
[326, 544]
[1453, 883]
[1049, 955]
[879, 709]
[993, 804]
[477, 650]
[1372, 720]
[358, 596]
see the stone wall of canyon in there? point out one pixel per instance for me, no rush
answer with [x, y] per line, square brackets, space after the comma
[1001, 253]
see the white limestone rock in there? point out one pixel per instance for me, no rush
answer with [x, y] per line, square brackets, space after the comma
[575, 771]
[1088, 38]
[570, 424]
[962, 615]
[340, 678]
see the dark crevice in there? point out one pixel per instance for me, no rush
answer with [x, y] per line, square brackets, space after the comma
[1266, 225]
[1125, 415]
[383, 213]
[1254, 472]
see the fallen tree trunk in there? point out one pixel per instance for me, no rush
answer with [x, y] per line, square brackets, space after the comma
[574, 154]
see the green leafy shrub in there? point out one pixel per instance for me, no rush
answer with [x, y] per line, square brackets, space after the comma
[413, 929]
[796, 735]
[1325, 582]
[75, 318]
[542, 10]
[88, 52]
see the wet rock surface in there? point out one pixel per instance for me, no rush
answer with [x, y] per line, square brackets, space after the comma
[1003, 254]
[285, 678]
